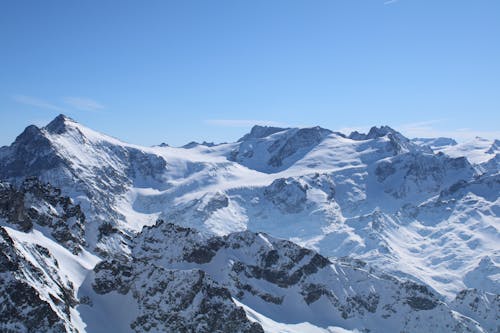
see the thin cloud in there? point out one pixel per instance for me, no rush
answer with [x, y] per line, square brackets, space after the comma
[72, 103]
[40, 122]
[83, 104]
[430, 129]
[242, 122]
[463, 134]
[390, 2]
[421, 129]
[36, 102]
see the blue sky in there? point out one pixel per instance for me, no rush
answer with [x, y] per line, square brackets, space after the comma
[173, 71]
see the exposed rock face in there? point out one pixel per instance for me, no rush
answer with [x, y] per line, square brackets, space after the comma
[480, 306]
[289, 195]
[304, 138]
[193, 144]
[374, 133]
[33, 154]
[278, 278]
[42, 256]
[418, 174]
[29, 301]
[272, 149]
[259, 132]
[213, 203]
[396, 143]
[174, 300]
[495, 147]
[42, 204]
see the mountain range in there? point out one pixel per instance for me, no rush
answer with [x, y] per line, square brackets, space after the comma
[285, 230]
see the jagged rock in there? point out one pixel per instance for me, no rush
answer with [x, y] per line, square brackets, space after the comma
[481, 306]
[174, 288]
[42, 204]
[23, 306]
[303, 138]
[289, 195]
[259, 132]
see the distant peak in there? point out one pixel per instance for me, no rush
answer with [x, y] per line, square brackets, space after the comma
[190, 145]
[208, 144]
[28, 134]
[495, 147]
[62, 118]
[259, 131]
[59, 124]
[193, 144]
[375, 132]
[316, 129]
[438, 142]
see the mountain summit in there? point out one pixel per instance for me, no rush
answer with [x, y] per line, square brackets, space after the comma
[59, 124]
[258, 132]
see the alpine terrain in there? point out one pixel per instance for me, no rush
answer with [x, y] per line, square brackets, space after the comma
[285, 230]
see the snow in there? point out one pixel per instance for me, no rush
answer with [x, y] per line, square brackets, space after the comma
[73, 267]
[271, 326]
[112, 312]
[475, 150]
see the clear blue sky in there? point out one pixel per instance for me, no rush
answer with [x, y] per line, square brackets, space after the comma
[174, 71]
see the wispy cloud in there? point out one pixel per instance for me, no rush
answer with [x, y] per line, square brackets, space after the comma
[36, 102]
[468, 133]
[242, 122]
[40, 122]
[83, 104]
[421, 128]
[71, 103]
[390, 2]
[432, 129]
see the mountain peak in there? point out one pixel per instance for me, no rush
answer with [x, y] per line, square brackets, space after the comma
[59, 124]
[28, 134]
[259, 131]
[439, 142]
[193, 144]
[375, 132]
[495, 147]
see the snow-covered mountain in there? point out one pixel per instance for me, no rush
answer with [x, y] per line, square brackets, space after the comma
[382, 211]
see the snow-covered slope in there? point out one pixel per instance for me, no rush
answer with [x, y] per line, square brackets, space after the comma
[42, 262]
[478, 150]
[422, 209]
[435, 143]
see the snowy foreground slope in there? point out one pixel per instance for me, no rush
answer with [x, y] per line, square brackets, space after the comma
[393, 234]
